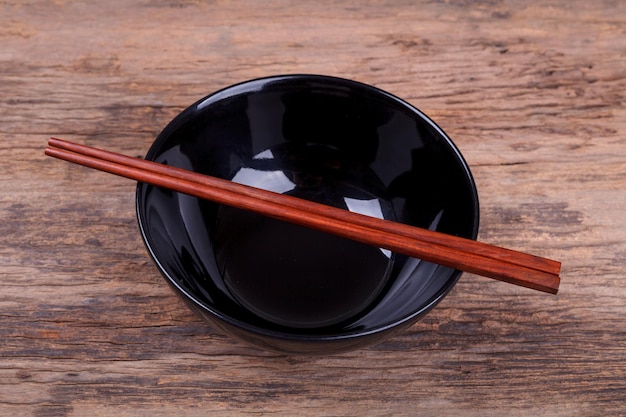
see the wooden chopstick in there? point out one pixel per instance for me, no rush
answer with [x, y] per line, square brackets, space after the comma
[464, 254]
[499, 253]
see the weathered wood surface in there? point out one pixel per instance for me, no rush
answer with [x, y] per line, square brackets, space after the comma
[533, 93]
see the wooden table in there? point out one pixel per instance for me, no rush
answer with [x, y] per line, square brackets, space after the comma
[532, 92]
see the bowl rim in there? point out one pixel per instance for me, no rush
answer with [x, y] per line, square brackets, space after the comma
[238, 88]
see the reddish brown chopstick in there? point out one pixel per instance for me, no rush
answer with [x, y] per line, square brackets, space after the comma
[464, 254]
[518, 258]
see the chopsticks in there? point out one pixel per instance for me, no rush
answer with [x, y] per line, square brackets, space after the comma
[464, 254]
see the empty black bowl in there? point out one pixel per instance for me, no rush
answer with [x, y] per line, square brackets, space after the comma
[338, 142]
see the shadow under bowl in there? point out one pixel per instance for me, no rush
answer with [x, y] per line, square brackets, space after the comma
[338, 142]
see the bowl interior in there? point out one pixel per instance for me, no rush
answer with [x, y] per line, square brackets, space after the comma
[324, 139]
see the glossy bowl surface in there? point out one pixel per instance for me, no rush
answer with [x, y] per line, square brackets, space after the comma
[335, 141]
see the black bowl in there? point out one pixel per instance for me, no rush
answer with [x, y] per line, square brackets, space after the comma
[325, 139]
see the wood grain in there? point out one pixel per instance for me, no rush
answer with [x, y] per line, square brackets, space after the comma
[531, 92]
